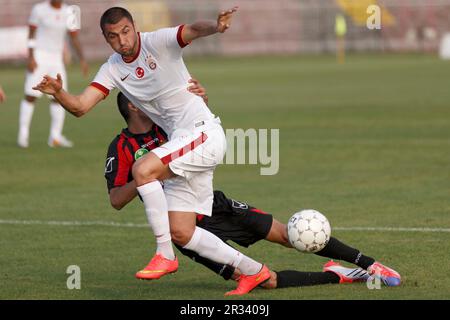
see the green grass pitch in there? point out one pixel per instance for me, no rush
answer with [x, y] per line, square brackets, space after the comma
[366, 143]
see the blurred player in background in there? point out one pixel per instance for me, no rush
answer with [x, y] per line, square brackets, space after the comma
[340, 30]
[231, 220]
[48, 25]
[2, 95]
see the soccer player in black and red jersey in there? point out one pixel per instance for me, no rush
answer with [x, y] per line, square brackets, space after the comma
[231, 220]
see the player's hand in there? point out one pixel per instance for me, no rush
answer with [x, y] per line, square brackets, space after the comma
[84, 68]
[2, 95]
[50, 85]
[224, 19]
[197, 89]
[32, 65]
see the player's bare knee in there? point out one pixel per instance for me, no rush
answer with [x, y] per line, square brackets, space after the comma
[137, 171]
[143, 172]
[278, 234]
[181, 236]
[285, 237]
[281, 230]
[147, 169]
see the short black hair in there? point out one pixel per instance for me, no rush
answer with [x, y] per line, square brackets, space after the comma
[114, 15]
[122, 104]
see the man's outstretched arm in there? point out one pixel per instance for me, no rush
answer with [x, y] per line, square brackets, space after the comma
[205, 28]
[76, 105]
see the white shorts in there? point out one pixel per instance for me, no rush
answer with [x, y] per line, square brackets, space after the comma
[47, 64]
[193, 156]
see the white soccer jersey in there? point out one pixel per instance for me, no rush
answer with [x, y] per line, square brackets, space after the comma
[52, 26]
[156, 81]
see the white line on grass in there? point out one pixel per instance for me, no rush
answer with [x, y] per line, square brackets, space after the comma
[392, 229]
[137, 225]
[74, 223]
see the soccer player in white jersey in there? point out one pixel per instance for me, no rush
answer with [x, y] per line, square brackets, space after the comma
[49, 23]
[148, 69]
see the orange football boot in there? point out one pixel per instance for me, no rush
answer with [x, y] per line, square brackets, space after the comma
[158, 267]
[248, 283]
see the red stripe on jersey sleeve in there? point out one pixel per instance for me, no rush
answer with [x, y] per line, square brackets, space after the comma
[124, 166]
[100, 87]
[258, 211]
[180, 38]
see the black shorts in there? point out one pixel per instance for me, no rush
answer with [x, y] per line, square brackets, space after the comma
[236, 221]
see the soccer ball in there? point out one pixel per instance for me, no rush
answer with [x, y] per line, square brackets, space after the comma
[308, 231]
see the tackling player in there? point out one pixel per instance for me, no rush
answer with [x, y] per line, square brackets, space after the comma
[231, 220]
[48, 26]
[149, 69]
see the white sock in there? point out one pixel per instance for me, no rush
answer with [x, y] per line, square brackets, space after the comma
[25, 116]
[210, 246]
[57, 115]
[251, 266]
[155, 205]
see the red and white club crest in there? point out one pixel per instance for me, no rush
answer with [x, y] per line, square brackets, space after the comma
[151, 63]
[139, 72]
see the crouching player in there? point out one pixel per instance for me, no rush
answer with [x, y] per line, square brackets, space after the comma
[231, 220]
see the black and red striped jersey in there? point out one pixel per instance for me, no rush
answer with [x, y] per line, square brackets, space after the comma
[125, 149]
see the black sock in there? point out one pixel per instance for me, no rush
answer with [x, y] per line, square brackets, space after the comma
[292, 278]
[339, 251]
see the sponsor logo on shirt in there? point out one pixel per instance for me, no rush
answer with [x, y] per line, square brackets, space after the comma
[109, 165]
[156, 140]
[139, 72]
[140, 153]
[151, 62]
[124, 78]
[238, 205]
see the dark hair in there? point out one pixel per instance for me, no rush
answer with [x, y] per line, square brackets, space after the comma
[114, 15]
[122, 104]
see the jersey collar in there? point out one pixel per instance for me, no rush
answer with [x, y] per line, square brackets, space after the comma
[127, 134]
